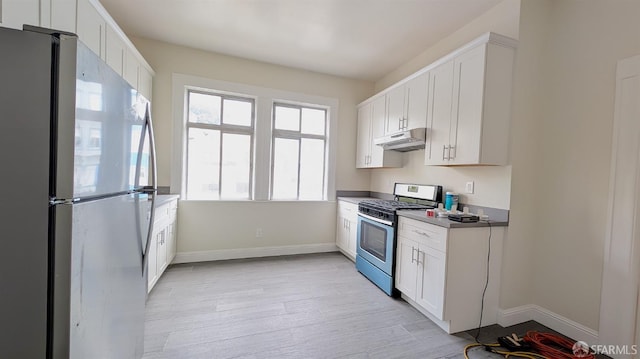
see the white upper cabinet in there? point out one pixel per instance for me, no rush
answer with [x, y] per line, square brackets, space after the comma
[470, 105]
[439, 113]
[372, 119]
[463, 100]
[115, 51]
[63, 15]
[395, 110]
[416, 102]
[407, 105]
[145, 83]
[92, 28]
[363, 140]
[16, 13]
[131, 68]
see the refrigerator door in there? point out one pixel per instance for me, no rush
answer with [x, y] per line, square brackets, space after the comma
[98, 139]
[107, 289]
[25, 70]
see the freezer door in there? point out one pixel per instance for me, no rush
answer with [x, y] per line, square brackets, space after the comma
[100, 137]
[107, 288]
[25, 73]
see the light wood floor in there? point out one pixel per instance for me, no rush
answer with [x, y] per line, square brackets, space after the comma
[307, 306]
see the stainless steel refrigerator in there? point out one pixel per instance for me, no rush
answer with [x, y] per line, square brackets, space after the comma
[77, 177]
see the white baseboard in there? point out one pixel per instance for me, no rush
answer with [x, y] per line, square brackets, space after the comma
[517, 315]
[566, 326]
[222, 254]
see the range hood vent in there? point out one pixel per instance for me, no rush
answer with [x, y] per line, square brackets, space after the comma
[403, 141]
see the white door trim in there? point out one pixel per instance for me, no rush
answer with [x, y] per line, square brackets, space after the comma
[619, 298]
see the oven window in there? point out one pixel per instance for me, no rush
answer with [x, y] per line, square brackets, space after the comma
[374, 240]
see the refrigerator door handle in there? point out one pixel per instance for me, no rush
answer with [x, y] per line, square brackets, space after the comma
[148, 130]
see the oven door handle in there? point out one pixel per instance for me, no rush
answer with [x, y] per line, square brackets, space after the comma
[382, 221]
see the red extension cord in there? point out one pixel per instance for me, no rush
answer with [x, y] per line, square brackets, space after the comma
[550, 346]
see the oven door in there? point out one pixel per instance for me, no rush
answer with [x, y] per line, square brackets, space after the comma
[375, 242]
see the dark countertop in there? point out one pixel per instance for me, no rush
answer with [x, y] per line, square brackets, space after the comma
[165, 198]
[354, 200]
[444, 222]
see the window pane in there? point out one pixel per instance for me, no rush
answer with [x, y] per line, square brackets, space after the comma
[204, 108]
[236, 112]
[285, 169]
[313, 121]
[203, 164]
[311, 168]
[236, 166]
[287, 118]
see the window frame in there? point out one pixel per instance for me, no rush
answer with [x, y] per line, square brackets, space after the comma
[264, 99]
[298, 135]
[223, 128]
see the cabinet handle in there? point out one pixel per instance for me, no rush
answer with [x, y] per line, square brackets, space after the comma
[421, 233]
[444, 148]
[423, 258]
[413, 251]
[454, 152]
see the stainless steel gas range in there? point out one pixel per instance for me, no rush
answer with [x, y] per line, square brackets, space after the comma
[377, 227]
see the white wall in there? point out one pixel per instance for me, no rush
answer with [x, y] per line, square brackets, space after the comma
[492, 183]
[209, 226]
[517, 273]
[584, 40]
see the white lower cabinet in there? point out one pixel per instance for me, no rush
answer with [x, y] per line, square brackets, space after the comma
[442, 272]
[346, 229]
[162, 248]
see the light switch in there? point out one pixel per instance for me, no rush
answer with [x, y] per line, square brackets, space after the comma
[469, 187]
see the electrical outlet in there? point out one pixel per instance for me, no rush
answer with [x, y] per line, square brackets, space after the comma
[469, 187]
[258, 232]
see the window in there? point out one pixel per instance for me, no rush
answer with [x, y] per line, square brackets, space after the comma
[240, 142]
[299, 152]
[219, 146]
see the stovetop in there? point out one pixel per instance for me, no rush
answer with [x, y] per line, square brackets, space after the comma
[407, 195]
[386, 209]
[391, 206]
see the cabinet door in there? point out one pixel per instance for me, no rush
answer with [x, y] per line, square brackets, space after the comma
[16, 13]
[430, 291]
[115, 51]
[352, 236]
[439, 114]
[363, 141]
[152, 263]
[161, 254]
[91, 28]
[395, 110]
[406, 267]
[171, 242]
[466, 119]
[378, 121]
[131, 69]
[63, 15]
[145, 85]
[416, 101]
[341, 232]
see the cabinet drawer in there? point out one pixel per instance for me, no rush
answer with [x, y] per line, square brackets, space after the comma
[348, 210]
[427, 234]
[166, 212]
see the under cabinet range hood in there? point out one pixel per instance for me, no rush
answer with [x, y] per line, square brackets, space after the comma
[403, 141]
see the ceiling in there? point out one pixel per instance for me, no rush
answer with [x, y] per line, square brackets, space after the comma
[362, 39]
